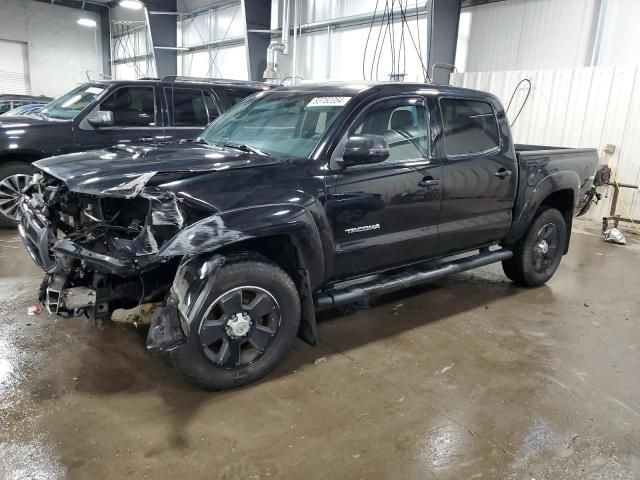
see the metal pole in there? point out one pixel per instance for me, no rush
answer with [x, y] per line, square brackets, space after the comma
[296, 21]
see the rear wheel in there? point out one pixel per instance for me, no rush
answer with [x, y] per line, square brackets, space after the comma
[537, 255]
[252, 317]
[14, 177]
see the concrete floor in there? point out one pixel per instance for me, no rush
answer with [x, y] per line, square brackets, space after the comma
[470, 378]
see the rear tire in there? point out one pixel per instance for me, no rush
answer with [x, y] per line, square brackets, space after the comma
[13, 177]
[218, 354]
[537, 255]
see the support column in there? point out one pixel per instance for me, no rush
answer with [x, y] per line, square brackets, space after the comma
[163, 27]
[444, 16]
[257, 16]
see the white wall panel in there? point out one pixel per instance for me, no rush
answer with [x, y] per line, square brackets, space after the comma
[585, 107]
[520, 34]
[59, 50]
[620, 35]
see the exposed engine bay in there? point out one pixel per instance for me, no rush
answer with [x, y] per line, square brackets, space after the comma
[102, 253]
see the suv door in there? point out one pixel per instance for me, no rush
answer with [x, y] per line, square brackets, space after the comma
[136, 119]
[479, 183]
[386, 214]
[189, 111]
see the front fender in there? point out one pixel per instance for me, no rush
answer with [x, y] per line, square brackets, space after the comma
[232, 226]
[531, 197]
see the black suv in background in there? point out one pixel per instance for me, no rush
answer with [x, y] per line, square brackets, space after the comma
[99, 114]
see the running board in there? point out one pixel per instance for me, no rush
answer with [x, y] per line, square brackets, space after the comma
[409, 278]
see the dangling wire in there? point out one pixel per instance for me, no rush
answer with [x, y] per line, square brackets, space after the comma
[366, 45]
[404, 19]
[524, 80]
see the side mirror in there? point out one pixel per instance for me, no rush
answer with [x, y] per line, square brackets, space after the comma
[364, 149]
[100, 119]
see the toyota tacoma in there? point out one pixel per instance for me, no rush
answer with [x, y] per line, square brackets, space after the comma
[296, 200]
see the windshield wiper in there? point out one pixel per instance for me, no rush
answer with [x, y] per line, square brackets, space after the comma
[201, 141]
[245, 148]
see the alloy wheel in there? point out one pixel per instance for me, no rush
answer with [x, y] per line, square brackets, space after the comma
[545, 248]
[239, 326]
[10, 192]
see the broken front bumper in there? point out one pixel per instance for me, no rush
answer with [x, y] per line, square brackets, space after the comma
[37, 237]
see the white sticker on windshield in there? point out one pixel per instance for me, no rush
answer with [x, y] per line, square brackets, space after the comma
[94, 90]
[328, 102]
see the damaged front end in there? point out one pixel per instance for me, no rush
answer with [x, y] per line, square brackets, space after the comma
[102, 253]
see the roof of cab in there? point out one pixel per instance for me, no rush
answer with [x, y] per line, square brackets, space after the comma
[362, 87]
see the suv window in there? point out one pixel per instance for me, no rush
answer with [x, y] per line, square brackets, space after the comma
[131, 106]
[404, 127]
[191, 107]
[232, 96]
[469, 126]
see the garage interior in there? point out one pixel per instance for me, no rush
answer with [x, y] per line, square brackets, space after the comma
[467, 377]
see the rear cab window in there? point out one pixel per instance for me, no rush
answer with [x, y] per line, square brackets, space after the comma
[470, 127]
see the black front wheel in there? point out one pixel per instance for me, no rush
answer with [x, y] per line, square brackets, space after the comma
[252, 317]
[537, 255]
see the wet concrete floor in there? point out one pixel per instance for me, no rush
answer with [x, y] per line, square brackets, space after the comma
[469, 378]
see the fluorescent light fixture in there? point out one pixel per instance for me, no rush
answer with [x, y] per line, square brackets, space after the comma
[86, 22]
[132, 4]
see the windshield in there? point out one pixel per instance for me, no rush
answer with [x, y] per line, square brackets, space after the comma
[71, 104]
[277, 123]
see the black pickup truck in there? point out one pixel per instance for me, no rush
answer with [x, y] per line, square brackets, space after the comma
[99, 114]
[297, 199]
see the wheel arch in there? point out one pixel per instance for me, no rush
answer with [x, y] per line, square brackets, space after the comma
[559, 190]
[286, 235]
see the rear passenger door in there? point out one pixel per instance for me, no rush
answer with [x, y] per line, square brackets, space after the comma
[479, 181]
[189, 111]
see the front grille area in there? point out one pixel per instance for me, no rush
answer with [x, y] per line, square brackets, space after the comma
[36, 236]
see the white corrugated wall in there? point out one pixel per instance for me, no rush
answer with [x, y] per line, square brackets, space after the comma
[582, 107]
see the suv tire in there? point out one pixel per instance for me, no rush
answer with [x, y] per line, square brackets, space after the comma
[13, 177]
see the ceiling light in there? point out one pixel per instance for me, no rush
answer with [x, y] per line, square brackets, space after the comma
[86, 22]
[132, 4]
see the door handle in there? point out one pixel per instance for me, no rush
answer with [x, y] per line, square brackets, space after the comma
[147, 139]
[503, 173]
[428, 182]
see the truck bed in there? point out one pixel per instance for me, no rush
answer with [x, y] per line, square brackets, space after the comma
[540, 161]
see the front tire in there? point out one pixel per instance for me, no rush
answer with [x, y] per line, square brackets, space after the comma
[14, 176]
[252, 318]
[537, 255]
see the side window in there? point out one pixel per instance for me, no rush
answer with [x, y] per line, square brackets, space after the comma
[469, 126]
[212, 107]
[132, 107]
[232, 96]
[189, 107]
[404, 127]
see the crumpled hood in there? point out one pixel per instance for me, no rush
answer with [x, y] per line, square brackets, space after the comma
[124, 170]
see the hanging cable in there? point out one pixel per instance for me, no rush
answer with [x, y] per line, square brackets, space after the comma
[366, 45]
[375, 51]
[524, 80]
[404, 19]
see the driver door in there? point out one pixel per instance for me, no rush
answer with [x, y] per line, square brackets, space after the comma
[137, 120]
[386, 214]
